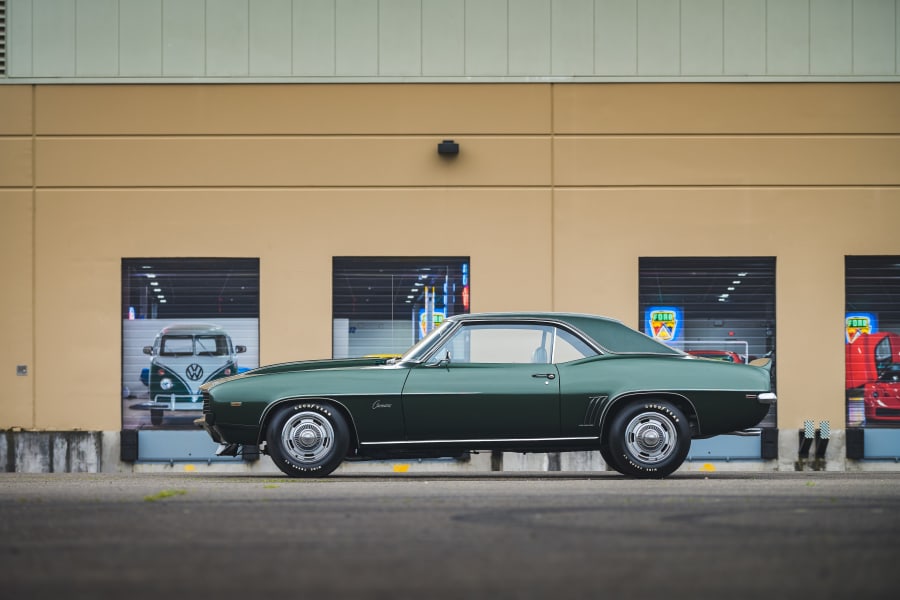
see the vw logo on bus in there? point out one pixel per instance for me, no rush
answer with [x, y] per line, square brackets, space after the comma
[194, 372]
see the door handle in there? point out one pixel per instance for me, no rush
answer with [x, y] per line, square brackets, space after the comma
[545, 375]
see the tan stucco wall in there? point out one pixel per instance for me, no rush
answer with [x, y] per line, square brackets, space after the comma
[16, 251]
[806, 229]
[551, 190]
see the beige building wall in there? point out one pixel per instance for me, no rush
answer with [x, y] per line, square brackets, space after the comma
[552, 189]
[17, 253]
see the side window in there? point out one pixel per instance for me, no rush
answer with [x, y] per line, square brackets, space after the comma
[568, 347]
[503, 343]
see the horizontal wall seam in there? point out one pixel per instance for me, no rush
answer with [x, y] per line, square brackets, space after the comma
[473, 79]
[769, 186]
[468, 136]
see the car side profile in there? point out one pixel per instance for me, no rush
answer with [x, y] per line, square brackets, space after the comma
[523, 382]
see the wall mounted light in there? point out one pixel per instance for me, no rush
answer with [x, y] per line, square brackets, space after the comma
[448, 148]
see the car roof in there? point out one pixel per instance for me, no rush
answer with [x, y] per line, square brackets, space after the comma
[191, 329]
[558, 316]
[608, 334]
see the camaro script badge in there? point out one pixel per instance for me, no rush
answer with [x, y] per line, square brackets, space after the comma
[380, 404]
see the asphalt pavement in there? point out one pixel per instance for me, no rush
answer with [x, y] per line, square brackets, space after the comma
[187, 535]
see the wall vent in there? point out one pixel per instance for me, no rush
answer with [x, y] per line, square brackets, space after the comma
[2, 38]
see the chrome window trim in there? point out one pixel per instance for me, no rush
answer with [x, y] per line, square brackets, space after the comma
[459, 323]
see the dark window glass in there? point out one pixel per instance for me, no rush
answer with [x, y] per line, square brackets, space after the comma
[187, 288]
[383, 305]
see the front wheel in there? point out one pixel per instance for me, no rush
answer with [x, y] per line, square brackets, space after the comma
[307, 440]
[649, 439]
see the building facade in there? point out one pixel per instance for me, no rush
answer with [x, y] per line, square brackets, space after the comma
[613, 158]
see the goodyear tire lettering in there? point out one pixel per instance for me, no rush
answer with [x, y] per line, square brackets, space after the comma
[648, 439]
[307, 439]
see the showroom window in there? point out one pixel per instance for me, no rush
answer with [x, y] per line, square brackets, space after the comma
[721, 308]
[185, 321]
[383, 305]
[872, 341]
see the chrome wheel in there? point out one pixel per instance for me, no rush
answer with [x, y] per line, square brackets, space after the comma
[307, 437]
[651, 437]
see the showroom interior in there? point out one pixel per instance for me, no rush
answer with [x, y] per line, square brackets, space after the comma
[333, 178]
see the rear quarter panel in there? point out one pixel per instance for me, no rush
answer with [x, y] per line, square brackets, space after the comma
[717, 390]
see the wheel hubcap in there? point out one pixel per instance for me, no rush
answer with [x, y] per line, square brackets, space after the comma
[650, 437]
[307, 436]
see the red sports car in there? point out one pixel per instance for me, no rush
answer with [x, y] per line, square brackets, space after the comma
[723, 355]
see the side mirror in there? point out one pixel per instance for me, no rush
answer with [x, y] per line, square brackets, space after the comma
[445, 362]
[148, 350]
[240, 349]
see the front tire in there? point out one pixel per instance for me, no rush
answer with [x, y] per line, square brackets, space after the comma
[649, 439]
[307, 440]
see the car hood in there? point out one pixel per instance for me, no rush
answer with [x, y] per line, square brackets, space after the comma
[304, 365]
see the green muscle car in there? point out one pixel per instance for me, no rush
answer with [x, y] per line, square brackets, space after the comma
[521, 382]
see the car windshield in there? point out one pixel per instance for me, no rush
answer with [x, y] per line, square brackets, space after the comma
[890, 374]
[176, 345]
[421, 348]
[212, 345]
[189, 345]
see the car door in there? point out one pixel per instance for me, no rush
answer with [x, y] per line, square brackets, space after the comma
[486, 382]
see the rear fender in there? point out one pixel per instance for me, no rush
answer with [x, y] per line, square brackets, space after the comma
[616, 404]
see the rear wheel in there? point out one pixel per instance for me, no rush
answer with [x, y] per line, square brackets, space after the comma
[649, 439]
[156, 416]
[307, 440]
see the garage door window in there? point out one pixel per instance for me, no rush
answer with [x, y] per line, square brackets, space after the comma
[185, 321]
[872, 341]
[383, 305]
[718, 308]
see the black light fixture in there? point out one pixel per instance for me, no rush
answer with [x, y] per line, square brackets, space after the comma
[448, 148]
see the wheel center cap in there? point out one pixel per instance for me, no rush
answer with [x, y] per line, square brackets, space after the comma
[308, 438]
[650, 438]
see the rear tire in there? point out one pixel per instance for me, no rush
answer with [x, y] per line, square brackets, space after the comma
[649, 439]
[307, 440]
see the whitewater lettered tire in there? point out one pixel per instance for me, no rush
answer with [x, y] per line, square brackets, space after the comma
[307, 439]
[649, 439]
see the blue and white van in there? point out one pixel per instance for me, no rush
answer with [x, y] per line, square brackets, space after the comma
[184, 357]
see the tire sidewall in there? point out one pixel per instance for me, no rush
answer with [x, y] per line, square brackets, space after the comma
[624, 461]
[323, 466]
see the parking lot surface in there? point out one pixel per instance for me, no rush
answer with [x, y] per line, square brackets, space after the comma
[180, 535]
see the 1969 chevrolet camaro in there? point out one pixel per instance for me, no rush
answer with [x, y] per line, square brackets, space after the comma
[523, 382]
